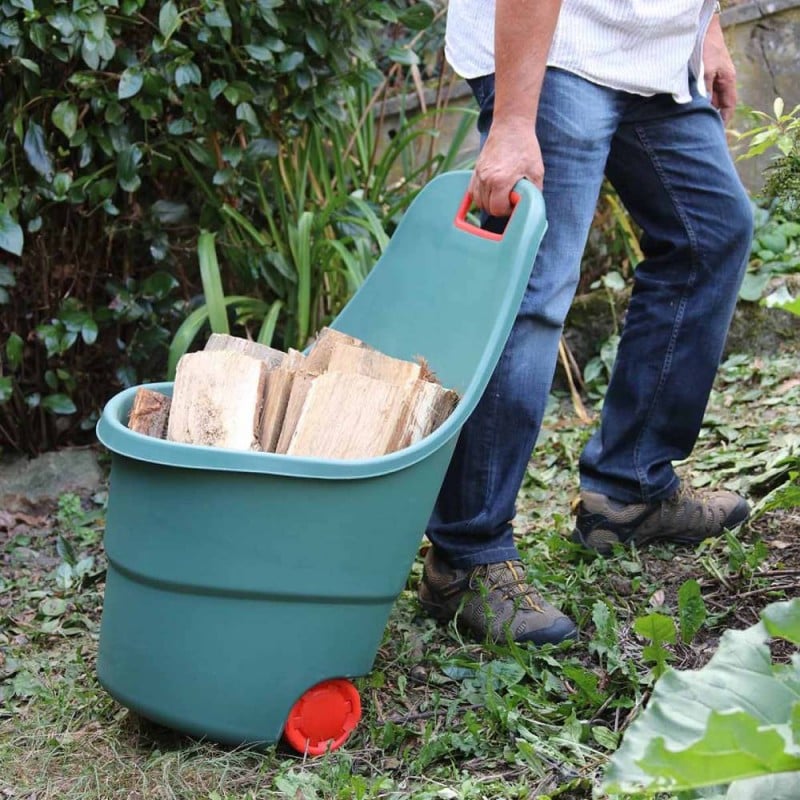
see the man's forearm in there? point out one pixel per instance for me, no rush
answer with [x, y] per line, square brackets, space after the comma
[522, 37]
[523, 32]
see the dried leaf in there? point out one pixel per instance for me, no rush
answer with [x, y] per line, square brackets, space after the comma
[658, 598]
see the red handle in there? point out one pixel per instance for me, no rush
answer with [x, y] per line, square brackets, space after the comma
[463, 224]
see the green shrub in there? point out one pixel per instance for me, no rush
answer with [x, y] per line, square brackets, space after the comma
[775, 254]
[780, 132]
[131, 125]
[103, 99]
[775, 245]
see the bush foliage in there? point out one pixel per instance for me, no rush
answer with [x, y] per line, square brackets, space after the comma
[129, 127]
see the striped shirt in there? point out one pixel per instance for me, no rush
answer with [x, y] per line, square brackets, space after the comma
[644, 47]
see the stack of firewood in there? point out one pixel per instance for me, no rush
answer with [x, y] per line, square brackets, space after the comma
[343, 399]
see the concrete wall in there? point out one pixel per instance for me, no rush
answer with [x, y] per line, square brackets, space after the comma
[456, 96]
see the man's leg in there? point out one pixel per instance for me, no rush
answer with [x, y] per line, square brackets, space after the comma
[471, 525]
[671, 166]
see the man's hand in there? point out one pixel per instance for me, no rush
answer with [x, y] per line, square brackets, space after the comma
[720, 74]
[511, 152]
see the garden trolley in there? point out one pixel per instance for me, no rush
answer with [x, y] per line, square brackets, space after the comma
[244, 588]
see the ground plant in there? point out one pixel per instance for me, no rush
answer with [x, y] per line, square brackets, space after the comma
[777, 214]
[779, 133]
[776, 257]
[733, 724]
[444, 718]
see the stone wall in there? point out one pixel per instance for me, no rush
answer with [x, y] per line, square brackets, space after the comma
[456, 97]
[764, 40]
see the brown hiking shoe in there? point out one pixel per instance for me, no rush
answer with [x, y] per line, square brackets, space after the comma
[688, 517]
[491, 601]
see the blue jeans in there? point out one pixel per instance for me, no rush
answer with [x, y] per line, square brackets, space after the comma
[670, 165]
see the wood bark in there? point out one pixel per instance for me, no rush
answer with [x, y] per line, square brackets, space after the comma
[278, 389]
[429, 405]
[149, 413]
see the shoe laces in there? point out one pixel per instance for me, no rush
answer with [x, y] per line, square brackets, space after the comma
[695, 502]
[514, 588]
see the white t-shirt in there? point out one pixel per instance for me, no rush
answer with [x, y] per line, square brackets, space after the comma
[644, 47]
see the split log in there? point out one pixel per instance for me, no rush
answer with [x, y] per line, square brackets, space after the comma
[425, 371]
[343, 400]
[149, 413]
[319, 355]
[296, 361]
[278, 389]
[348, 416]
[280, 426]
[429, 405]
[217, 400]
[221, 341]
[301, 384]
[372, 363]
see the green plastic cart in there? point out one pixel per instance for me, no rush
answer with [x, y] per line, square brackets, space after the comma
[245, 588]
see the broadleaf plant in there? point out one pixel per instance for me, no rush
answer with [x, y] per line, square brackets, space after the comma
[735, 723]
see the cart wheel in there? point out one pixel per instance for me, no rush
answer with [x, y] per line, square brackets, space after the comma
[323, 717]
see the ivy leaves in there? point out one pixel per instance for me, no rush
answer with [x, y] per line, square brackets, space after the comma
[36, 151]
[114, 93]
[65, 118]
[11, 238]
[130, 82]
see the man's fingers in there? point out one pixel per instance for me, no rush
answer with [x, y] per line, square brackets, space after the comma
[489, 198]
[509, 153]
[499, 204]
[474, 191]
[723, 97]
[495, 198]
[727, 113]
[537, 180]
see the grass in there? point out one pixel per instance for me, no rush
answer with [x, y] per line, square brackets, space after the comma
[444, 718]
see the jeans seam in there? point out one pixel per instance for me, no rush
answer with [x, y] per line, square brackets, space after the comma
[491, 471]
[679, 313]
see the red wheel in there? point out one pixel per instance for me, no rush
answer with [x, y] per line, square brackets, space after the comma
[323, 717]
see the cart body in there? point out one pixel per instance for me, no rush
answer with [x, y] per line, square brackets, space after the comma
[237, 581]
